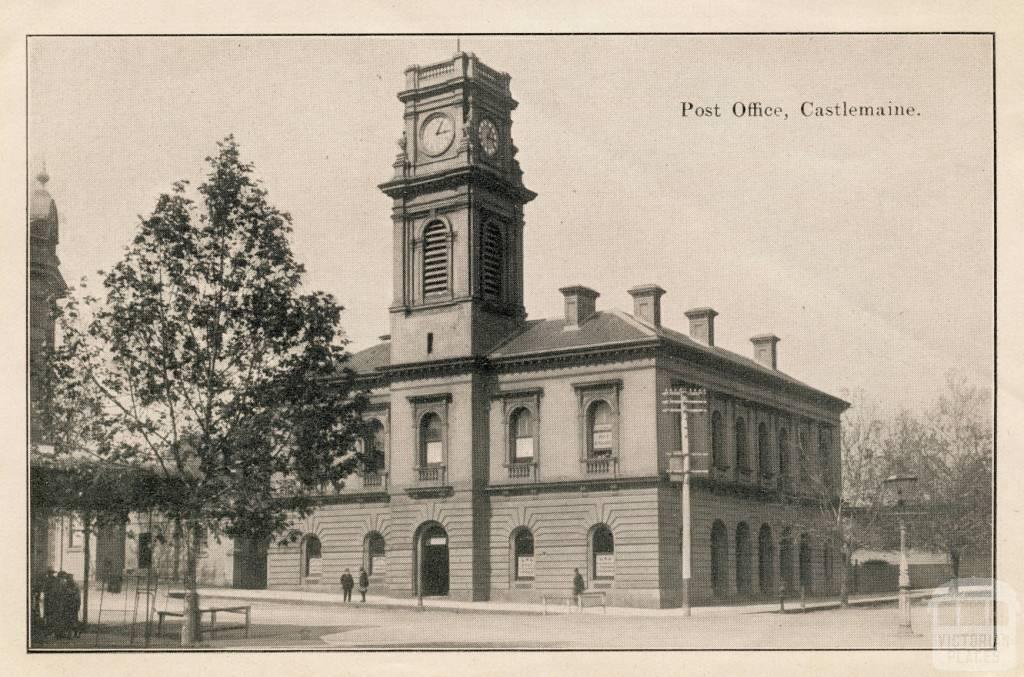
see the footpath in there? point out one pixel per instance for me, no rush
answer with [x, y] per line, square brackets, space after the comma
[310, 598]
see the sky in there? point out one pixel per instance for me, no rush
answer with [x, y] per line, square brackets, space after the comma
[865, 244]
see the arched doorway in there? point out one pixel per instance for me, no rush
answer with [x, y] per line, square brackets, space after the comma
[719, 559]
[250, 564]
[432, 550]
[765, 560]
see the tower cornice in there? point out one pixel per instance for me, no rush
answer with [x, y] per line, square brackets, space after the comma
[467, 175]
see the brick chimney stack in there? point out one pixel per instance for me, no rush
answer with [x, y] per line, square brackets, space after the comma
[580, 304]
[702, 325]
[766, 350]
[647, 303]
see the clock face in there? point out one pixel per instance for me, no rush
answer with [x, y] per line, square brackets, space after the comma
[488, 137]
[437, 133]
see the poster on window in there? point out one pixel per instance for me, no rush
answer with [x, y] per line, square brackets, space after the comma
[525, 567]
[379, 565]
[433, 452]
[602, 439]
[316, 566]
[604, 565]
[524, 448]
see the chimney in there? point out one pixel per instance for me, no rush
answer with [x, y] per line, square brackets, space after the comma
[647, 303]
[580, 304]
[765, 350]
[702, 325]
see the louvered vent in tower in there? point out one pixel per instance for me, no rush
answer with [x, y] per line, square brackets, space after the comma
[492, 251]
[435, 259]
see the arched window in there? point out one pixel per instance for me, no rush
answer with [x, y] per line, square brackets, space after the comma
[521, 433]
[492, 253]
[783, 452]
[742, 455]
[375, 558]
[786, 560]
[743, 559]
[764, 450]
[717, 452]
[803, 455]
[719, 559]
[373, 447]
[522, 544]
[431, 440]
[825, 455]
[765, 560]
[600, 430]
[435, 259]
[312, 565]
[806, 572]
[603, 546]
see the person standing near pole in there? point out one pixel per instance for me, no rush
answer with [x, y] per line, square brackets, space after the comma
[578, 586]
[364, 583]
[346, 586]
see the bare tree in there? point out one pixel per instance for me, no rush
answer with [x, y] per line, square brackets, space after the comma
[845, 490]
[950, 449]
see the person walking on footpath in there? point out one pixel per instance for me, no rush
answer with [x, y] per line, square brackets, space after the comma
[578, 586]
[364, 583]
[346, 586]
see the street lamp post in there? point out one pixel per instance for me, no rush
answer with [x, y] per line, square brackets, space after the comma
[684, 402]
[902, 485]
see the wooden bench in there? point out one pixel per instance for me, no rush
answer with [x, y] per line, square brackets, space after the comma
[241, 609]
[583, 600]
[591, 598]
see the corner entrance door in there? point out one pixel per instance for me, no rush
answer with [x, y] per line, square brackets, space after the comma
[434, 561]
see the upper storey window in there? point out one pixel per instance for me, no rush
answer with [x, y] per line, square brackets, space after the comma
[521, 428]
[431, 440]
[600, 430]
[435, 259]
[492, 258]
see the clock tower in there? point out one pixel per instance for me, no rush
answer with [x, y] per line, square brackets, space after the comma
[457, 214]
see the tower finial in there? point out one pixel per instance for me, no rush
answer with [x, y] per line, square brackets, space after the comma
[42, 177]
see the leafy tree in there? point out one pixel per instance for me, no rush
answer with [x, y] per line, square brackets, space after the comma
[206, 363]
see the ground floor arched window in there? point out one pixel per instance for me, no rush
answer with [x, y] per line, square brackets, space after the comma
[765, 560]
[786, 561]
[312, 564]
[719, 559]
[375, 560]
[522, 555]
[743, 561]
[806, 572]
[603, 547]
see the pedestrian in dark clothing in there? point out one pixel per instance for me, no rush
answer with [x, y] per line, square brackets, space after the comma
[346, 586]
[578, 586]
[50, 601]
[72, 605]
[364, 583]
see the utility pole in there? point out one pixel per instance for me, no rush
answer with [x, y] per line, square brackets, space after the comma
[684, 401]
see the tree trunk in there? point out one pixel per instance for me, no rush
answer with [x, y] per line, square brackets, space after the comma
[87, 553]
[190, 631]
[954, 563]
[844, 585]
